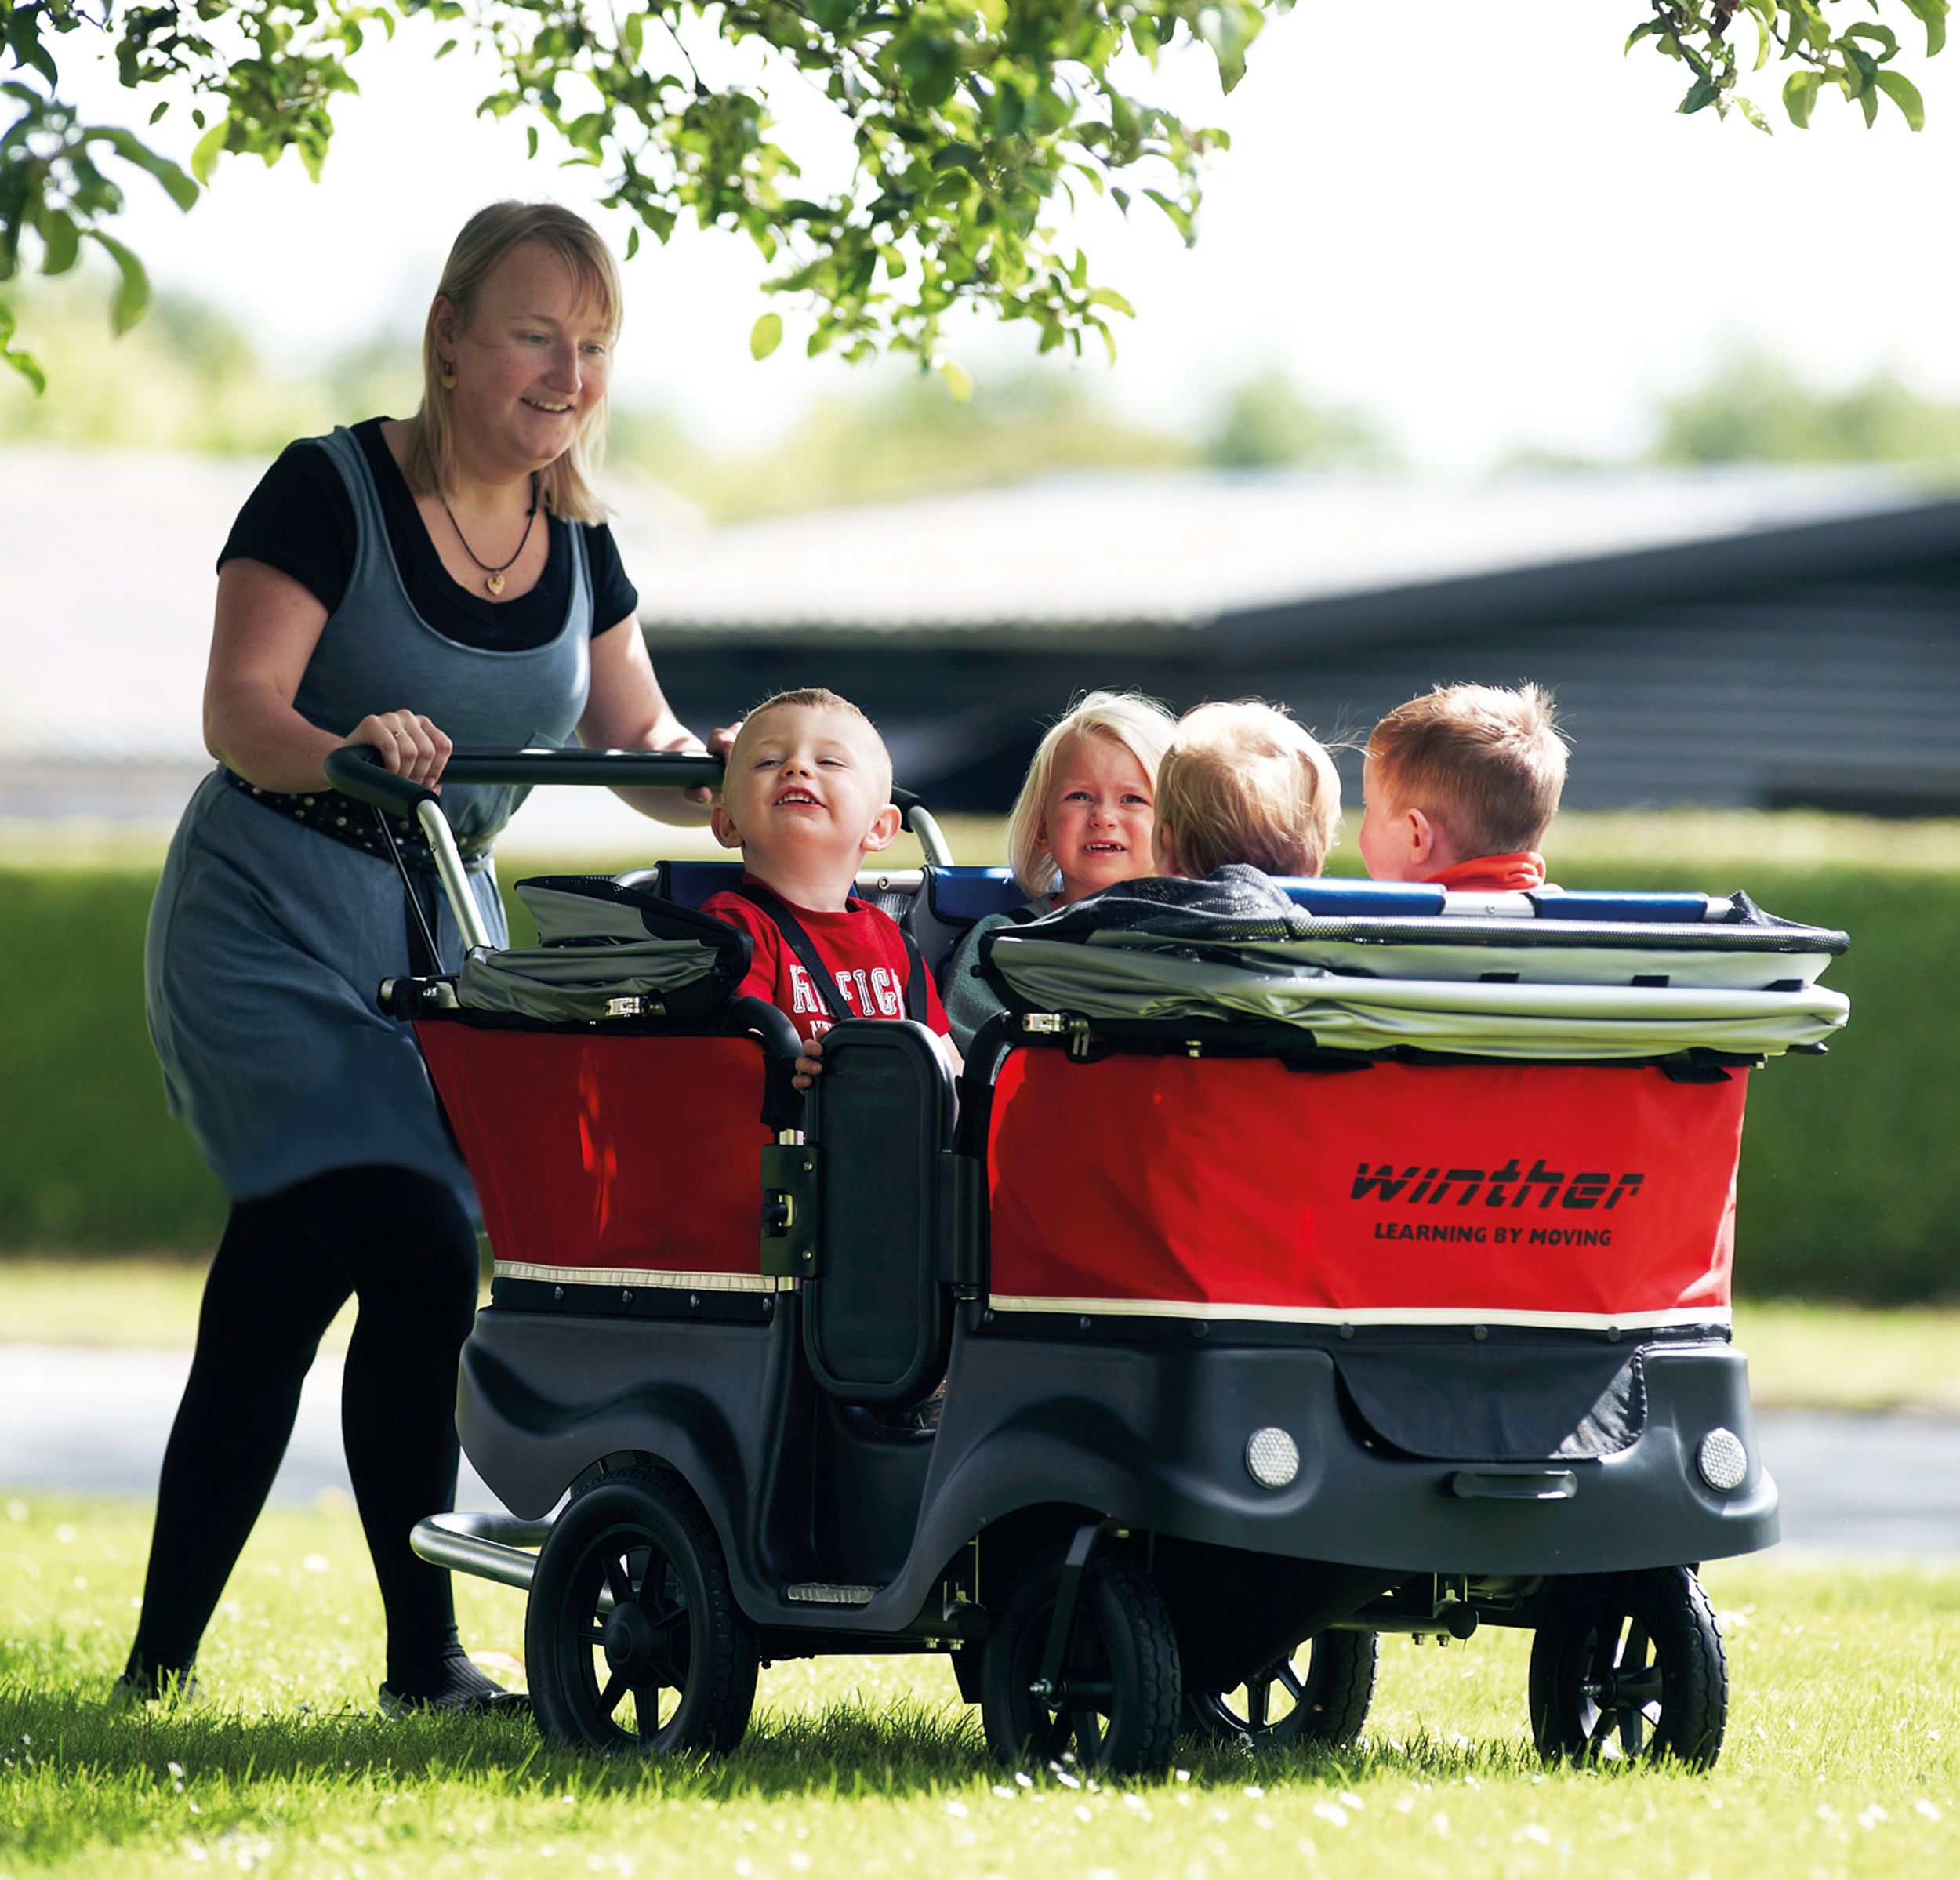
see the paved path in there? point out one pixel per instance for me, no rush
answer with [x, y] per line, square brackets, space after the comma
[96, 1421]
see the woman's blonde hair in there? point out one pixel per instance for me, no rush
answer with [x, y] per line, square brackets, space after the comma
[487, 237]
[1140, 725]
[1244, 782]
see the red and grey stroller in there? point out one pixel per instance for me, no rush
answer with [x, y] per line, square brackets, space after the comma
[1367, 1273]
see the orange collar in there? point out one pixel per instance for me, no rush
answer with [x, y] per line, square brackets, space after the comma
[1493, 874]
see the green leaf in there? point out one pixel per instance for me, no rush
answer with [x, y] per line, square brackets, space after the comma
[1799, 95]
[204, 156]
[1882, 37]
[1647, 29]
[959, 382]
[61, 238]
[1931, 14]
[1701, 94]
[1180, 216]
[132, 298]
[181, 189]
[633, 243]
[1903, 93]
[957, 156]
[1108, 297]
[765, 336]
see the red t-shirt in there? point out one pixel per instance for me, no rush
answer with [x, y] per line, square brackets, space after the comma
[1493, 874]
[862, 947]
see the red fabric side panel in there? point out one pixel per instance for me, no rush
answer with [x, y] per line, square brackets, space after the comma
[608, 1152]
[1524, 1189]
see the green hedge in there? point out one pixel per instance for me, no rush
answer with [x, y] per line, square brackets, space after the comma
[1851, 1174]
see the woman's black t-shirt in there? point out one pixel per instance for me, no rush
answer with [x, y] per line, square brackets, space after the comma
[300, 521]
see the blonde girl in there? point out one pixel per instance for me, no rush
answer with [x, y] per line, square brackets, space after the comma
[1082, 822]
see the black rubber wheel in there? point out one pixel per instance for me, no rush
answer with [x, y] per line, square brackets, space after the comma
[1117, 1705]
[1629, 1666]
[632, 1639]
[1318, 1692]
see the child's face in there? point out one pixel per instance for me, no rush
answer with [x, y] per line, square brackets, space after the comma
[806, 785]
[1096, 822]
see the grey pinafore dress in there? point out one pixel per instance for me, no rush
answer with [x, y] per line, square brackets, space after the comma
[267, 939]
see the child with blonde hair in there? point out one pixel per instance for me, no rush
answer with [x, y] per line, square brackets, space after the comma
[1461, 785]
[1084, 821]
[806, 795]
[1245, 786]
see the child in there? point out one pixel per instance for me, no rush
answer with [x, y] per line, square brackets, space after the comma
[1083, 821]
[1243, 794]
[1461, 785]
[1244, 785]
[806, 797]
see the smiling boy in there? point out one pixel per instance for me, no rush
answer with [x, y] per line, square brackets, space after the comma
[806, 797]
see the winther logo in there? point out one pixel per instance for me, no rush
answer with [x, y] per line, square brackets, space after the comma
[1512, 1186]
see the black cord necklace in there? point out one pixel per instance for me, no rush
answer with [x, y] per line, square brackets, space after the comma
[493, 577]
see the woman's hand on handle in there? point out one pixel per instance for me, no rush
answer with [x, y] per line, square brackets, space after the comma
[411, 746]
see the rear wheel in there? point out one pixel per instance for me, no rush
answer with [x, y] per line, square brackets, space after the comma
[632, 1639]
[1116, 1703]
[1629, 1666]
[1318, 1692]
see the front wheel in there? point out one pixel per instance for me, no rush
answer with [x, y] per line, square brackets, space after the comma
[633, 1638]
[1317, 1694]
[1115, 1705]
[1630, 1667]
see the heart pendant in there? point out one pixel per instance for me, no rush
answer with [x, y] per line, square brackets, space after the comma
[494, 582]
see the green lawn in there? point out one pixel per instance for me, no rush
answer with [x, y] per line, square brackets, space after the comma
[1800, 1356]
[1843, 1756]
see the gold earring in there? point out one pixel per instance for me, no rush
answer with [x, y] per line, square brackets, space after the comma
[448, 377]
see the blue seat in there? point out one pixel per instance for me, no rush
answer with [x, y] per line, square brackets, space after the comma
[1620, 909]
[1336, 895]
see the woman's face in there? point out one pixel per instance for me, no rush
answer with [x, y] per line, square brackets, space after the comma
[531, 365]
[1096, 822]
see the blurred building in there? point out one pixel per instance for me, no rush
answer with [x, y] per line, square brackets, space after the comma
[1761, 638]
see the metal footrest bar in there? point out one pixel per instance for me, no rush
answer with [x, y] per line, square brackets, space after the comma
[489, 1544]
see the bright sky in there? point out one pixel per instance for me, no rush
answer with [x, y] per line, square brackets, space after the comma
[1489, 229]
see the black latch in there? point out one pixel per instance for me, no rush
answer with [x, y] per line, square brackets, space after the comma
[789, 1210]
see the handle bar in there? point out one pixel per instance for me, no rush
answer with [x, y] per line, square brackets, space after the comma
[357, 771]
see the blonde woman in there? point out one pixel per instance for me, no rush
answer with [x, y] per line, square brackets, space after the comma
[1082, 823]
[402, 584]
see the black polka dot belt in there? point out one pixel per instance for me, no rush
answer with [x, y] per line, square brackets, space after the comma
[357, 825]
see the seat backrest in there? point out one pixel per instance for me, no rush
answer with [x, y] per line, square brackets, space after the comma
[876, 1317]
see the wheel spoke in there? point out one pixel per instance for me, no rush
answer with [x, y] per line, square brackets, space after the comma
[1633, 1729]
[617, 1583]
[1257, 1693]
[596, 1635]
[1603, 1729]
[1605, 1649]
[609, 1698]
[1633, 1658]
[1644, 1688]
[1296, 1685]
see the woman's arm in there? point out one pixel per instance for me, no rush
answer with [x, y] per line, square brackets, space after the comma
[266, 627]
[627, 711]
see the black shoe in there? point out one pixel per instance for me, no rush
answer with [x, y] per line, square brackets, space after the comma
[142, 1683]
[454, 1687]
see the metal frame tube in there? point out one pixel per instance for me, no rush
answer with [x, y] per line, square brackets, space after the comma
[455, 879]
[492, 1546]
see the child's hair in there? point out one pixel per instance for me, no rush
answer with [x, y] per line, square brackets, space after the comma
[1486, 765]
[1244, 782]
[821, 698]
[1140, 725]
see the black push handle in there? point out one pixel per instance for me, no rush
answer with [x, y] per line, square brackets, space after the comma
[356, 769]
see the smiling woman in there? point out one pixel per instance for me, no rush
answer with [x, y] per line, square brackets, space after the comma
[393, 585]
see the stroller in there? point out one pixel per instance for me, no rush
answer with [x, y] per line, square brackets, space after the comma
[1363, 1272]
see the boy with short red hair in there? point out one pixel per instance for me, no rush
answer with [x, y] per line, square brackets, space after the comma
[1461, 785]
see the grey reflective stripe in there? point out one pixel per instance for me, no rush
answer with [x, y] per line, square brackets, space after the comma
[578, 983]
[1502, 1019]
[562, 917]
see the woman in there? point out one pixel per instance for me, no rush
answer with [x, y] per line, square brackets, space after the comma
[401, 585]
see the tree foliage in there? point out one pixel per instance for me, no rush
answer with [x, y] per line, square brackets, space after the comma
[973, 125]
[1755, 410]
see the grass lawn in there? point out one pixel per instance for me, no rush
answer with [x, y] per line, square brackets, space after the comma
[1843, 1754]
[1800, 1356]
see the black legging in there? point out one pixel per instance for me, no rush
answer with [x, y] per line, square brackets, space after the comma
[401, 1242]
